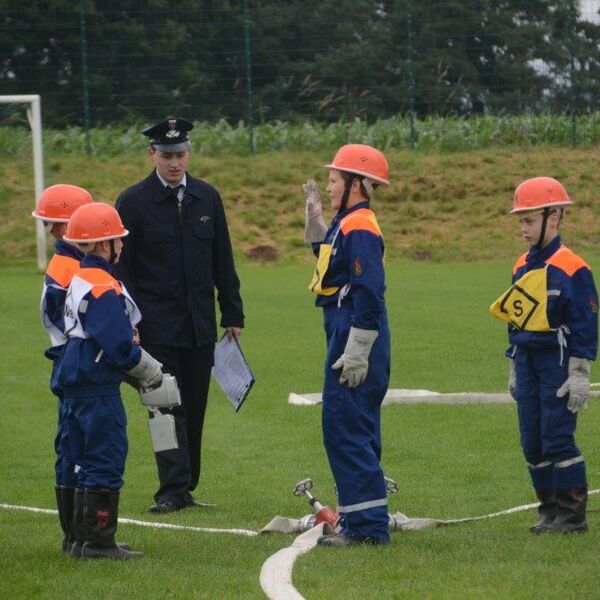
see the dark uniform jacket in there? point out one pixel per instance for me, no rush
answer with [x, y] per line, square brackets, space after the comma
[173, 259]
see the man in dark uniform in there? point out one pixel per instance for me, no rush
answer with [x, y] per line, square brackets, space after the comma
[177, 252]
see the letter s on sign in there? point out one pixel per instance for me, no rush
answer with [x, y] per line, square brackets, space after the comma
[518, 306]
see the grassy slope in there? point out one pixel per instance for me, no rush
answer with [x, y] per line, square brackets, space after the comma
[449, 461]
[440, 206]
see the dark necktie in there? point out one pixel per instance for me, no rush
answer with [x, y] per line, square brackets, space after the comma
[175, 192]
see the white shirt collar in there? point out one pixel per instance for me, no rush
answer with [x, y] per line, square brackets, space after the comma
[183, 181]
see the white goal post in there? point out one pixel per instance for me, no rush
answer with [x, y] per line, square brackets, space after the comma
[34, 116]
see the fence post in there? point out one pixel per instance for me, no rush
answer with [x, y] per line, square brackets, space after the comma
[411, 78]
[84, 76]
[248, 52]
[572, 76]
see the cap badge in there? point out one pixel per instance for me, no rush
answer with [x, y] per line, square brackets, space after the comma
[172, 133]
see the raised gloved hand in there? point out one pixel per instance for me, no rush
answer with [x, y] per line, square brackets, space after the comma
[354, 362]
[512, 378]
[147, 371]
[314, 225]
[577, 385]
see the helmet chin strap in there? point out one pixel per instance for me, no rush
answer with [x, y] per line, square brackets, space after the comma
[546, 214]
[346, 195]
[113, 254]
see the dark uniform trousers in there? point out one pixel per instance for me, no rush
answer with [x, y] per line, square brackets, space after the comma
[179, 470]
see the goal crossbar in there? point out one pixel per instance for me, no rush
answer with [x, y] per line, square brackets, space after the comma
[34, 116]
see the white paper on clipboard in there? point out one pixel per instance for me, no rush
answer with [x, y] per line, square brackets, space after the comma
[232, 372]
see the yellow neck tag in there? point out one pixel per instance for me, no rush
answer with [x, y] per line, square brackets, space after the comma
[316, 282]
[525, 303]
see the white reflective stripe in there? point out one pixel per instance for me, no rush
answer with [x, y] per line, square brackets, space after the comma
[567, 463]
[363, 505]
[553, 292]
[541, 465]
[133, 312]
[562, 340]
[343, 293]
[75, 303]
[57, 336]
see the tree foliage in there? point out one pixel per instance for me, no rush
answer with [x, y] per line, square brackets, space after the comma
[324, 59]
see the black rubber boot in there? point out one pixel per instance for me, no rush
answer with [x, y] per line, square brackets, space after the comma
[100, 519]
[65, 501]
[547, 510]
[77, 529]
[570, 515]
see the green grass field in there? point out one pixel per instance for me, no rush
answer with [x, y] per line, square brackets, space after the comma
[449, 461]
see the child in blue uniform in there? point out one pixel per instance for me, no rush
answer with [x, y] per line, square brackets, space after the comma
[552, 311]
[350, 285]
[100, 317]
[55, 206]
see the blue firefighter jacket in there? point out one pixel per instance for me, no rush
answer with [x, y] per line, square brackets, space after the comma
[572, 301]
[356, 266]
[100, 347]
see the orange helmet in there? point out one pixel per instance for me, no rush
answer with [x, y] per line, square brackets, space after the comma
[362, 160]
[58, 202]
[94, 222]
[539, 193]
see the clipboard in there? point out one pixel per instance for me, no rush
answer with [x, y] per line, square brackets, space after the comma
[232, 371]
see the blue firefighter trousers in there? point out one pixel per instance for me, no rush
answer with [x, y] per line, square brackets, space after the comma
[64, 466]
[352, 431]
[97, 425]
[547, 428]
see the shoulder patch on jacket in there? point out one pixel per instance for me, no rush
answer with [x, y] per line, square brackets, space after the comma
[61, 269]
[566, 260]
[99, 280]
[361, 220]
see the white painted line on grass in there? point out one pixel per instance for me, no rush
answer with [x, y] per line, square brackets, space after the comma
[152, 524]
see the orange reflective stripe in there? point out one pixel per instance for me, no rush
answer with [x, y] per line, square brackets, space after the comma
[567, 261]
[363, 219]
[100, 280]
[62, 269]
[520, 262]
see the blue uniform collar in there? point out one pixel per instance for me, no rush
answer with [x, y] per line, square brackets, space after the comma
[63, 248]
[539, 256]
[93, 261]
[342, 213]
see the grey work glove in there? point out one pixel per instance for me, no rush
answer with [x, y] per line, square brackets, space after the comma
[577, 384]
[147, 371]
[314, 225]
[354, 362]
[512, 378]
